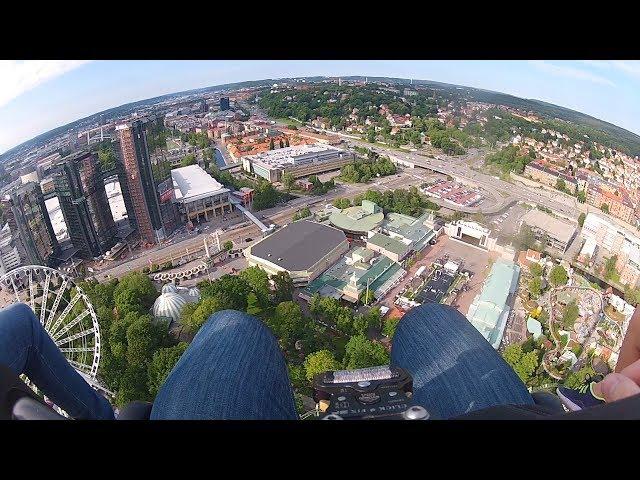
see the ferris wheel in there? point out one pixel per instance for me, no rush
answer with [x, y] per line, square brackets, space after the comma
[63, 309]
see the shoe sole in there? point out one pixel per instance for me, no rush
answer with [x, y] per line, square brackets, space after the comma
[567, 403]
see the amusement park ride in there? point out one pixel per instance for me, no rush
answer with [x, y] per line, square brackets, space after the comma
[65, 311]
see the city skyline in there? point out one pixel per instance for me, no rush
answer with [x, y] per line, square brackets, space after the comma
[70, 90]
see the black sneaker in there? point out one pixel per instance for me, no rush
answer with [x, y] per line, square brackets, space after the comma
[582, 397]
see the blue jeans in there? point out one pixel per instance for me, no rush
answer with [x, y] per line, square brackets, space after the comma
[234, 369]
[25, 347]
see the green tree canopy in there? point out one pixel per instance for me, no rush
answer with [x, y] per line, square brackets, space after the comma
[283, 287]
[558, 276]
[161, 364]
[361, 353]
[319, 362]
[581, 219]
[134, 293]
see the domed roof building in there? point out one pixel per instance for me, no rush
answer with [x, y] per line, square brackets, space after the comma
[168, 306]
[193, 295]
[169, 288]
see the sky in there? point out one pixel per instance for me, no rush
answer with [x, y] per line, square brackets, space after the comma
[37, 96]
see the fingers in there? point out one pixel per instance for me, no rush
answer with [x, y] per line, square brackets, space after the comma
[616, 386]
[632, 371]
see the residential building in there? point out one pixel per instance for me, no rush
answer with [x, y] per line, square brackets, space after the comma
[83, 200]
[602, 233]
[490, 309]
[550, 230]
[617, 199]
[198, 195]
[300, 161]
[546, 174]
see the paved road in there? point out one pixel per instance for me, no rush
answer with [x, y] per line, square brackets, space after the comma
[457, 167]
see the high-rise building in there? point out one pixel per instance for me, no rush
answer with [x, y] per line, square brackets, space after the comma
[29, 221]
[9, 254]
[83, 200]
[152, 211]
[224, 103]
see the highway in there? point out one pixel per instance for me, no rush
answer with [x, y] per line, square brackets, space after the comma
[504, 193]
[456, 167]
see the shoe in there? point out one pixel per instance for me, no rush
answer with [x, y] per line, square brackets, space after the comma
[581, 397]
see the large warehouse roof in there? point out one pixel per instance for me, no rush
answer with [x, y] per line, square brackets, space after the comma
[193, 183]
[559, 230]
[299, 245]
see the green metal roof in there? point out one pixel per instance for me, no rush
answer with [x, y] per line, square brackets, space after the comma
[391, 244]
[487, 312]
[356, 219]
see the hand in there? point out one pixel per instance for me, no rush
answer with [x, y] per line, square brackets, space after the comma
[617, 386]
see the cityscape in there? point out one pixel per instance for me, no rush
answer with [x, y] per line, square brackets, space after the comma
[329, 208]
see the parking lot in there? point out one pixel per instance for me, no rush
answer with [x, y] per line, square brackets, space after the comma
[505, 225]
[475, 261]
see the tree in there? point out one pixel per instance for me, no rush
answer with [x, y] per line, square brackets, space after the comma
[525, 238]
[134, 293]
[558, 276]
[253, 306]
[609, 270]
[231, 290]
[133, 386]
[604, 207]
[535, 269]
[258, 280]
[193, 317]
[288, 180]
[390, 325]
[581, 219]
[283, 287]
[535, 286]
[581, 196]
[342, 203]
[287, 323]
[577, 379]
[524, 364]
[570, 314]
[143, 339]
[265, 196]
[228, 245]
[188, 160]
[271, 144]
[319, 362]
[161, 364]
[361, 353]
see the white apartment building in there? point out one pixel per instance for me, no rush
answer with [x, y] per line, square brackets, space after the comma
[615, 240]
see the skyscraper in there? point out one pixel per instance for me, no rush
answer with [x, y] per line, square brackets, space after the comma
[150, 213]
[84, 203]
[224, 103]
[27, 216]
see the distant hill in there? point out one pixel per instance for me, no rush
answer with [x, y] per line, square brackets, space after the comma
[625, 138]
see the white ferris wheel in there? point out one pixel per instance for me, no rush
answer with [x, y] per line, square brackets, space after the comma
[63, 309]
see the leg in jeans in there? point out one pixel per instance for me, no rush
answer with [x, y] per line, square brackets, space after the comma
[25, 347]
[233, 369]
[455, 370]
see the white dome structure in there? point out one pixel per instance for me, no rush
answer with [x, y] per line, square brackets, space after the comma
[169, 288]
[168, 306]
[194, 294]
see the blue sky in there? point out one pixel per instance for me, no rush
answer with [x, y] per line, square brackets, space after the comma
[36, 96]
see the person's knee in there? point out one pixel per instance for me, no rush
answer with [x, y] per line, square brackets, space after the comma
[20, 315]
[230, 320]
[428, 315]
